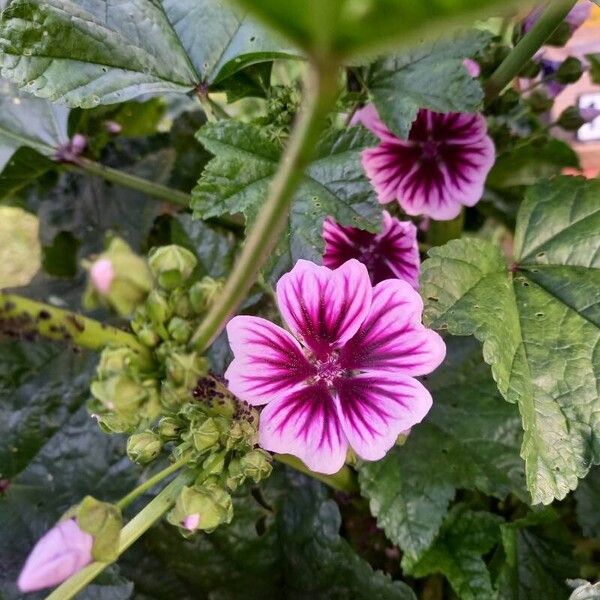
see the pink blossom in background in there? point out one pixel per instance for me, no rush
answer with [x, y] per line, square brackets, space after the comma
[345, 375]
[60, 553]
[472, 67]
[391, 254]
[102, 275]
[438, 170]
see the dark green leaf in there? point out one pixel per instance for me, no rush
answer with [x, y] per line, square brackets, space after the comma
[24, 168]
[246, 158]
[86, 53]
[587, 496]
[470, 439]
[429, 76]
[535, 319]
[457, 552]
[594, 60]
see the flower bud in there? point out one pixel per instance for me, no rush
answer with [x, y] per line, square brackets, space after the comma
[204, 292]
[214, 463]
[104, 522]
[472, 67]
[211, 503]
[569, 71]
[170, 428]
[119, 279]
[119, 393]
[256, 465]
[158, 308]
[180, 303]
[143, 448]
[235, 477]
[570, 119]
[206, 435]
[185, 369]
[148, 336]
[172, 265]
[60, 553]
[173, 396]
[115, 360]
[241, 434]
[180, 330]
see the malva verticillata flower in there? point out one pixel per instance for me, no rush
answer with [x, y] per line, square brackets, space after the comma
[60, 553]
[391, 254]
[438, 170]
[345, 375]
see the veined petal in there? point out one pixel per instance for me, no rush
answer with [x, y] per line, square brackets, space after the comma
[324, 307]
[268, 360]
[374, 408]
[392, 337]
[305, 423]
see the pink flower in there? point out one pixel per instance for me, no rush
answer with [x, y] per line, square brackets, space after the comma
[391, 254]
[346, 377]
[191, 522]
[60, 553]
[472, 67]
[441, 167]
[102, 275]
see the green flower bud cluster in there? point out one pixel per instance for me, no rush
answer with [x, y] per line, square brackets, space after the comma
[128, 395]
[282, 106]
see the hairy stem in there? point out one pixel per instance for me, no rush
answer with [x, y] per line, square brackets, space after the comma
[532, 41]
[342, 481]
[151, 513]
[22, 317]
[321, 93]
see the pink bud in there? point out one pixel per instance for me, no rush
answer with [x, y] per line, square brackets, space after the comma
[472, 67]
[113, 127]
[102, 275]
[191, 522]
[589, 114]
[62, 552]
[78, 144]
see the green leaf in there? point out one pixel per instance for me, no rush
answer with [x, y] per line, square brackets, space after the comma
[24, 168]
[585, 590]
[530, 162]
[343, 28]
[535, 318]
[85, 53]
[29, 122]
[246, 158]
[464, 538]
[594, 60]
[470, 439]
[587, 496]
[429, 76]
[537, 564]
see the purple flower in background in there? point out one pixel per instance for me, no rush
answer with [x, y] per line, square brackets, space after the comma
[549, 69]
[391, 254]
[60, 553]
[577, 16]
[441, 167]
[346, 377]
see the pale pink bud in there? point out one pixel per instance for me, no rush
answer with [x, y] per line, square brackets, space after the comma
[102, 275]
[472, 67]
[78, 144]
[60, 553]
[191, 522]
[113, 127]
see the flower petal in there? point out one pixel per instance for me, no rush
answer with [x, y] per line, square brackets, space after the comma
[305, 423]
[268, 360]
[324, 307]
[392, 337]
[375, 408]
[369, 118]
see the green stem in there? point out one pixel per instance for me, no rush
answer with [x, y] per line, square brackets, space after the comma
[213, 110]
[524, 51]
[151, 513]
[23, 317]
[150, 483]
[342, 481]
[322, 91]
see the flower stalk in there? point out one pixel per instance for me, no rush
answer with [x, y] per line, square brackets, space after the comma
[321, 94]
[532, 41]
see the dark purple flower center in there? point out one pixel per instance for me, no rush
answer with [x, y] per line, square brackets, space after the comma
[368, 255]
[429, 149]
[328, 369]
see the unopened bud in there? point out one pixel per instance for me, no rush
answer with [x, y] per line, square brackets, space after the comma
[256, 465]
[60, 553]
[143, 448]
[119, 393]
[185, 369]
[472, 67]
[173, 396]
[206, 435]
[235, 477]
[169, 428]
[157, 307]
[115, 360]
[214, 464]
[569, 71]
[180, 330]
[104, 522]
[180, 303]
[204, 293]
[570, 119]
[148, 336]
[102, 275]
[172, 265]
[211, 503]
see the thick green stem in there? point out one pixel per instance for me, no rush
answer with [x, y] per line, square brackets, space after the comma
[342, 481]
[22, 317]
[322, 91]
[151, 513]
[532, 41]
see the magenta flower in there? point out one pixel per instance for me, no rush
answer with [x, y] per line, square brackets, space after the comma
[391, 254]
[60, 553]
[441, 167]
[346, 377]
[102, 275]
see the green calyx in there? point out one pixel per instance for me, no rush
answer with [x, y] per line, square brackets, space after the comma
[103, 521]
[144, 447]
[172, 265]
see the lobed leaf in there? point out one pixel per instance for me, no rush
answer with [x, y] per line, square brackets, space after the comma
[539, 324]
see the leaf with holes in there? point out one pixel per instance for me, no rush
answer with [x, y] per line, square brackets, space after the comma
[539, 321]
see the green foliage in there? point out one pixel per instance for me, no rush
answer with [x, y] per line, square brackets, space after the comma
[246, 158]
[429, 76]
[587, 496]
[470, 440]
[122, 50]
[534, 318]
